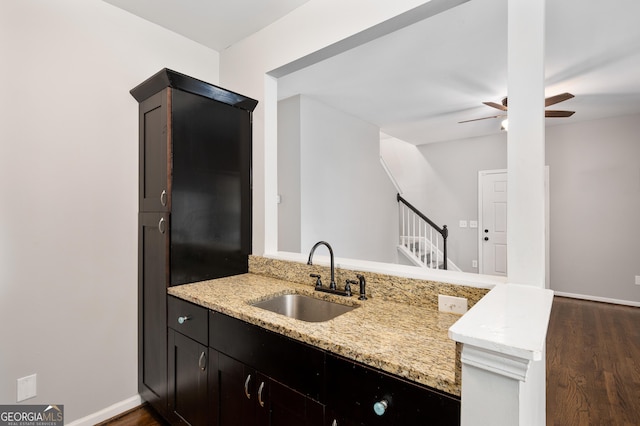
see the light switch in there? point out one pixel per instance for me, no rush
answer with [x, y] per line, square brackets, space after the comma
[473, 224]
[463, 224]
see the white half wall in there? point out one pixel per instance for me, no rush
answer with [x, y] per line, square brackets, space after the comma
[69, 191]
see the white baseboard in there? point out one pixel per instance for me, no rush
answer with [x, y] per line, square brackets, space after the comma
[598, 299]
[107, 413]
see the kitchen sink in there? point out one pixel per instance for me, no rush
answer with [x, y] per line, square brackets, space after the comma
[304, 308]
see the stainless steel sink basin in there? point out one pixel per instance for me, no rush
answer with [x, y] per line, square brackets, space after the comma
[304, 308]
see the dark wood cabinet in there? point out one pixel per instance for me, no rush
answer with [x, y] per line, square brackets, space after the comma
[188, 363]
[188, 384]
[154, 116]
[194, 216]
[359, 395]
[287, 407]
[153, 246]
[264, 378]
[249, 397]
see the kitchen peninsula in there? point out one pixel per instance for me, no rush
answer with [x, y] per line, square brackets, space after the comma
[398, 331]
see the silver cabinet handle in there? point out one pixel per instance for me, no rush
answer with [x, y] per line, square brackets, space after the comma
[246, 387]
[161, 226]
[182, 320]
[202, 361]
[260, 394]
[163, 198]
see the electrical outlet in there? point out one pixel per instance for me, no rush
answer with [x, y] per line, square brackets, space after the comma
[463, 224]
[456, 305]
[473, 224]
[26, 387]
[474, 263]
[637, 279]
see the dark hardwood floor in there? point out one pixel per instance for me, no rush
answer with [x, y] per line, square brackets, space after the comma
[593, 364]
[593, 367]
[139, 416]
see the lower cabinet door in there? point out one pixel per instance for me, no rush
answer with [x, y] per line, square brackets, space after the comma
[236, 393]
[282, 406]
[365, 396]
[188, 370]
[335, 419]
[246, 397]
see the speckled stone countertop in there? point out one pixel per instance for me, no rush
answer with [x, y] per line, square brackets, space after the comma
[408, 340]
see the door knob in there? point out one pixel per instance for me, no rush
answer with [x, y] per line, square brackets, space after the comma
[486, 238]
[486, 231]
[380, 407]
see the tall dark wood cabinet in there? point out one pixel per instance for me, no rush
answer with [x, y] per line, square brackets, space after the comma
[194, 204]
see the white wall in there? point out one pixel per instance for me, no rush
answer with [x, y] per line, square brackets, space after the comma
[313, 26]
[442, 181]
[354, 210]
[331, 145]
[594, 170]
[68, 185]
[289, 135]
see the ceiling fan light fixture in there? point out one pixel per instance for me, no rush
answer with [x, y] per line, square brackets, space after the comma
[504, 125]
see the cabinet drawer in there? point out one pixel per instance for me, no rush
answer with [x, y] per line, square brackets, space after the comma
[188, 319]
[298, 365]
[353, 389]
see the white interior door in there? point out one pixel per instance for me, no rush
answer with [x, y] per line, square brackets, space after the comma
[492, 214]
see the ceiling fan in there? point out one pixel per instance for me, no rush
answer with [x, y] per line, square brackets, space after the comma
[551, 100]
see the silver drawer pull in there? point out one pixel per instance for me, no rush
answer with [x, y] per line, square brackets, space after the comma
[202, 361]
[163, 198]
[161, 226]
[246, 387]
[182, 320]
[260, 394]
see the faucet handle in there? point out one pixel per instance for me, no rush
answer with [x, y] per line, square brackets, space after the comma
[318, 280]
[347, 286]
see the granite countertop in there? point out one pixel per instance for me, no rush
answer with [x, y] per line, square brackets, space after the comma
[408, 341]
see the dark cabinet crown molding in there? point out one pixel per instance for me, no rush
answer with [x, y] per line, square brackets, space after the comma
[169, 78]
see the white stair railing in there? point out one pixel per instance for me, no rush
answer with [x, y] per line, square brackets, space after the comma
[425, 241]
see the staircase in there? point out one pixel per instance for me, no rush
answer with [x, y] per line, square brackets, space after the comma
[420, 240]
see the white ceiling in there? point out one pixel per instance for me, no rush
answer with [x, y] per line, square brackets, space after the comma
[214, 23]
[418, 83]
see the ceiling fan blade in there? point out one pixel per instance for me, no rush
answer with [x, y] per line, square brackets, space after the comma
[554, 113]
[495, 105]
[551, 100]
[483, 118]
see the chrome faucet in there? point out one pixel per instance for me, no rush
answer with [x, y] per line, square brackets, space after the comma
[332, 285]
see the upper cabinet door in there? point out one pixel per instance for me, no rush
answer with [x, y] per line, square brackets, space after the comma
[155, 136]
